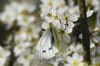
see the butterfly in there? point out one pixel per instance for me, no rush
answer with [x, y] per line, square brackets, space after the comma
[45, 48]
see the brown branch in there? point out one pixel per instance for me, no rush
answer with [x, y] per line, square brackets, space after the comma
[12, 57]
[85, 31]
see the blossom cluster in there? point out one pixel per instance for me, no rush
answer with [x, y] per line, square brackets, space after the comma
[20, 15]
[48, 33]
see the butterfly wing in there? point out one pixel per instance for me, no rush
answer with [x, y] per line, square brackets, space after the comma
[45, 41]
[44, 48]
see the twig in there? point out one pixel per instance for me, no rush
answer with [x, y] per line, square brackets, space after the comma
[12, 57]
[85, 31]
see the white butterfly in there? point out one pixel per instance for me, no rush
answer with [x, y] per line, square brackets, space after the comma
[45, 49]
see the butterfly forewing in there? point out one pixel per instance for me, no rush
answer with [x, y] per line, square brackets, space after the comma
[44, 48]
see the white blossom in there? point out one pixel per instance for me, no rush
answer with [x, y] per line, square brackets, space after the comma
[25, 58]
[4, 54]
[74, 60]
[89, 13]
[95, 4]
[19, 48]
[14, 11]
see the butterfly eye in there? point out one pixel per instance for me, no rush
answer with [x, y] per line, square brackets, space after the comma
[44, 51]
